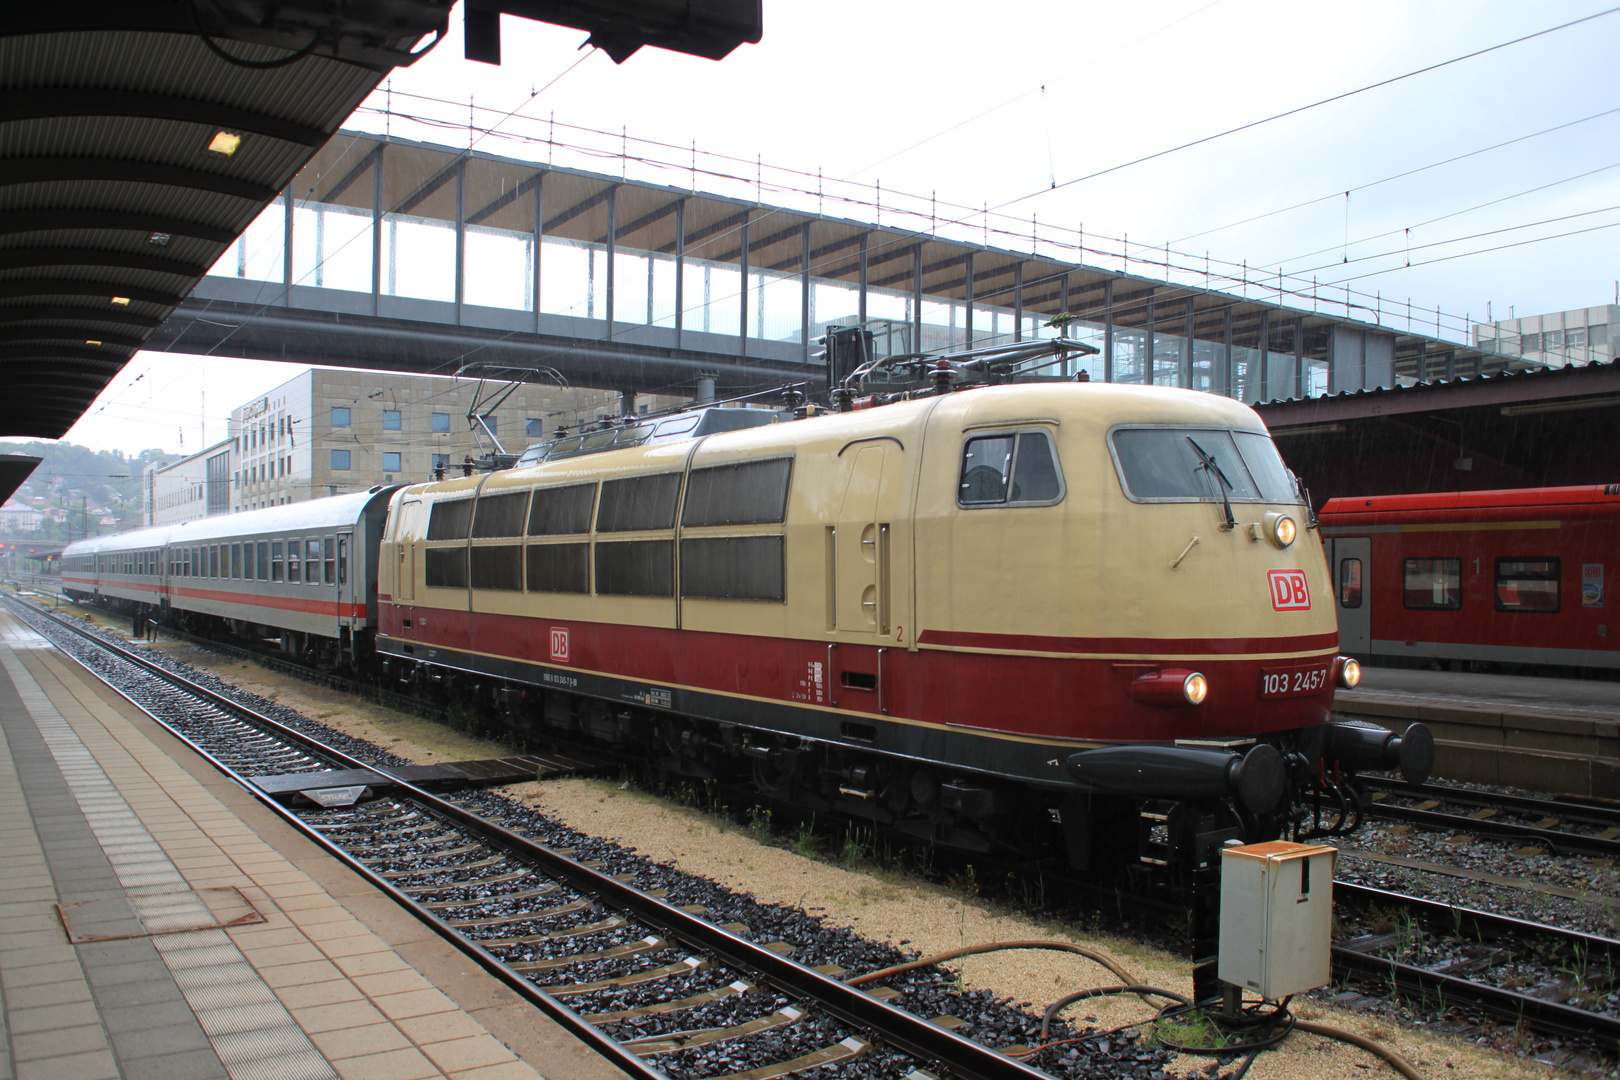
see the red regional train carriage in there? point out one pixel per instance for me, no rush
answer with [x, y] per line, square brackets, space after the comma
[1478, 577]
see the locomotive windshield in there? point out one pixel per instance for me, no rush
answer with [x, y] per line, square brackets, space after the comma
[1164, 464]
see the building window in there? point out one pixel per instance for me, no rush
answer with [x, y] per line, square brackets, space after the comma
[492, 422]
[340, 460]
[533, 427]
[340, 417]
[391, 461]
[441, 421]
[441, 461]
[390, 419]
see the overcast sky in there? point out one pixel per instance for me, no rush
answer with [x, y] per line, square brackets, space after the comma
[947, 97]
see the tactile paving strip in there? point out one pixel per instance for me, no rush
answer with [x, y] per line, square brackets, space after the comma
[211, 972]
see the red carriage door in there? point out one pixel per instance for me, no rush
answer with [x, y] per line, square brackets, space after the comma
[1352, 581]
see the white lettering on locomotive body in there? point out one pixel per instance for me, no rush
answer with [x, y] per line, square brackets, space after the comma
[1289, 590]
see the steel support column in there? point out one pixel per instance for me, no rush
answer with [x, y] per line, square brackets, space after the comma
[1150, 374]
[539, 239]
[804, 291]
[1018, 301]
[1063, 306]
[1225, 383]
[1108, 330]
[742, 313]
[1423, 361]
[1264, 365]
[461, 237]
[612, 247]
[968, 298]
[916, 298]
[1299, 358]
[680, 270]
[865, 237]
[1188, 350]
[287, 244]
[376, 227]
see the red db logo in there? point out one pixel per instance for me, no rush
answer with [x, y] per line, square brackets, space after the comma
[559, 643]
[1289, 592]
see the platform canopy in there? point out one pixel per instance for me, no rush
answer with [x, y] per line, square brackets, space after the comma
[139, 139]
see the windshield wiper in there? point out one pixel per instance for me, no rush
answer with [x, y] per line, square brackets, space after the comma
[1207, 463]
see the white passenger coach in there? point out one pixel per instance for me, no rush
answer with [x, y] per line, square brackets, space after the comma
[303, 573]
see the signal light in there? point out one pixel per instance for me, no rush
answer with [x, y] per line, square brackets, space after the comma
[1349, 672]
[1195, 688]
[1281, 529]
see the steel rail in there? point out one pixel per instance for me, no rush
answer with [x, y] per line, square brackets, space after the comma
[1588, 813]
[936, 1047]
[1561, 842]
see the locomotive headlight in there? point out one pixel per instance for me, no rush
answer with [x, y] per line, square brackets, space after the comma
[1281, 529]
[1195, 688]
[1349, 673]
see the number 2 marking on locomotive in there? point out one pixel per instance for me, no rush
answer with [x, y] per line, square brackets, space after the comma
[1289, 590]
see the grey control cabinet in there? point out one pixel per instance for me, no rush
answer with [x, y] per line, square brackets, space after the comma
[1276, 917]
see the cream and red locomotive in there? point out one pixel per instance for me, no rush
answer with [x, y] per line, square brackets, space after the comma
[1023, 618]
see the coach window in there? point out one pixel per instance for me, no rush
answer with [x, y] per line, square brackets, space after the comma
[1349, 583]
[312, 562]
[236, 560]
[1432, 584]
[264, 560]
[293, 573]
[1013, 469]
[1527, 585]
[331, 560]
[275, 561]
[247, 562]
[185, 562]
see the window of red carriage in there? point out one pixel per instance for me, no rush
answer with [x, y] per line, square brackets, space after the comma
[1432, 584]
[1527, 584]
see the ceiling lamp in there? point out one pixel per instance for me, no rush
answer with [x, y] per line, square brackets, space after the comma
[224, 143]
[121, 301]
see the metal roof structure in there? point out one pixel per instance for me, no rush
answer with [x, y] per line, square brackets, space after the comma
[139, 139]
[1540, 427]
[133, 152]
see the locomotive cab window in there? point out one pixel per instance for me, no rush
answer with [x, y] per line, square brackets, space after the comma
[1527, 585]
[1432, 584]
[1181, 464]
[1013, 469]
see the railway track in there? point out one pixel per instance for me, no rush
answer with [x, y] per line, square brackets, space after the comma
[1552, 823]
[601, 954]
[652, 985]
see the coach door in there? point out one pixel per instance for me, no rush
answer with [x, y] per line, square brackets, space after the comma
[346, 597]
[1352, 587]
[862, 539]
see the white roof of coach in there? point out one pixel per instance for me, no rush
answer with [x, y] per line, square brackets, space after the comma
[328, 513]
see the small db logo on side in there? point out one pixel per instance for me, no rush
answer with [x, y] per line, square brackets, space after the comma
[1289, 591]
[559, 643]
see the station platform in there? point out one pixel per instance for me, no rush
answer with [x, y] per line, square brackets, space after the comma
[1544, 734]
[157, 921]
